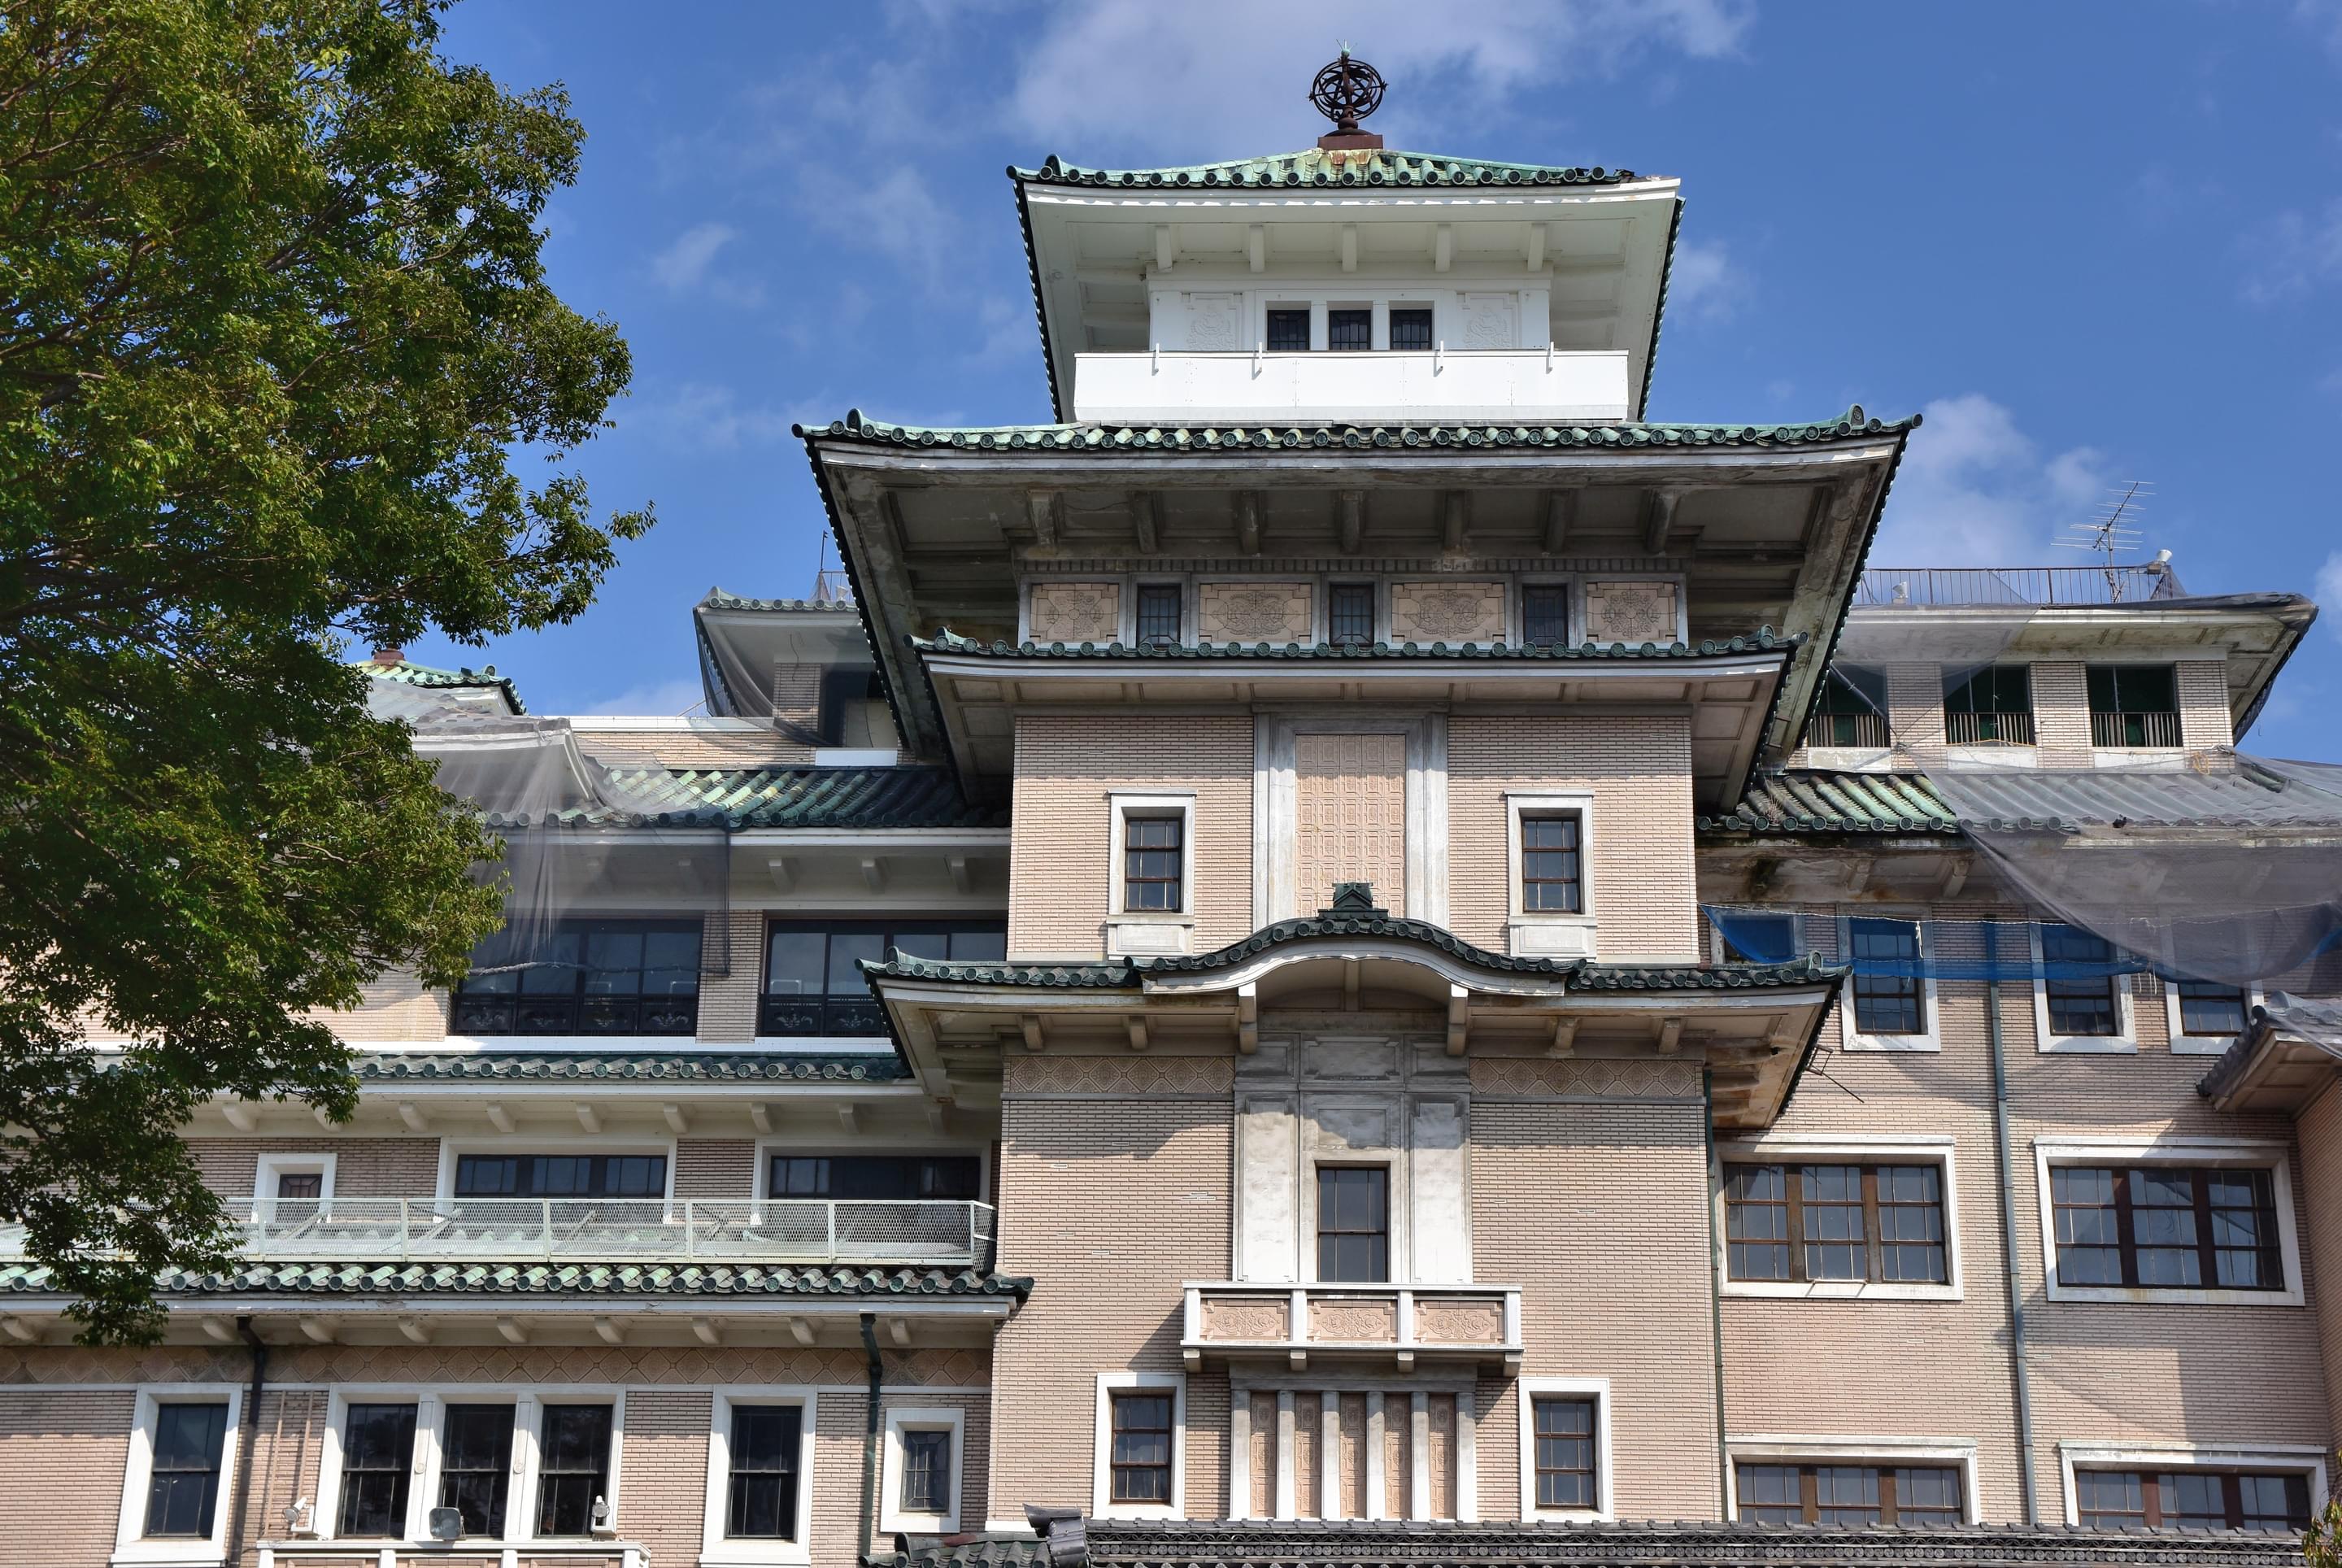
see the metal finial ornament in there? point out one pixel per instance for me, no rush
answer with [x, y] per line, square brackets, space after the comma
[1347, 92]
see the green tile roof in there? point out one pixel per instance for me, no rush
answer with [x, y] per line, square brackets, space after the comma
[809, 798]
[1804, 800]
[406, 673]
[1764, 640]
[681, 1063]
[526, 1279]
[1317, 167]
[718, 599]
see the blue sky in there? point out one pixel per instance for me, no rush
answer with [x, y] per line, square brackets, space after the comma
[2093, 242]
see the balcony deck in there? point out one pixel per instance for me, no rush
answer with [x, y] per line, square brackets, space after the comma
[1900, 587]
[1396, 1325]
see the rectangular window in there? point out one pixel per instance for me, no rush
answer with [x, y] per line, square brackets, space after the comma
[1153, 856]
[2079, 980]
[2191, 1500]
[592, 977]
[2166, 1227]
[377, 1451]
[573, 1467]
[1913, 1496]
[876, 1178]
[1158, 615]
[1566, 1474]
[1410, 329]
[1350, 614]
[182, 1487]
[475, 1465]
[2133, 705]
[2209, 1010]
[1991, 706]
[1810, 1222]
[1758, 938]
[1353, 1223]
[1140, 1453]
[766, 1440]
[813, 984]
[1889, 997]
[1852, 709]
[927, 1470]
[1545, 616]
[1550, 870]
[301, 1184]
[1350, 331]
[561, 1176]
[1288, 330]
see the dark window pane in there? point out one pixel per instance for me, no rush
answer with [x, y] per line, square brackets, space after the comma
[1846, 1495]
[848, 949]
[765, 1443]
[2089, 1247]
[1831, 1202]
[2110, 1498]
[1159, 614]
[300, 1184]
[2079, 978]
[1911, 1223]
[1545, 616]
[1351, 331]
[1756, 1223]
[926, 1471]
[592, 977]
[2163, 1227]
[573, 1467]
[795, 961]
[378, 1449]
[1140, 1448]
[1550, 868]
[183, 1489]
[475, 1465]
[922, 944]
[2242, 1207]
[2273, 1502]
[2214, 1009]
[1410, 330]
[1758, 938]
[1888, 998]
[2191, 1500]
[980, 947]
[1353, 1223]
[561, 1176]
[1350, 613]
[1770, 1493]
[1288, 330]
[811, 983]
[1566, 1474]
[1926, 1497]
[1152, 862]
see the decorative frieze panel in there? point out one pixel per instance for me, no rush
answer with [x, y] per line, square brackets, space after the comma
[1592, 1078]
[1212, 324]
[1075, 612]
[1631, 612]
[1253, 612]
[1393, 1327]
[1023, 1074]
[1367, 1321]
[1439, 610]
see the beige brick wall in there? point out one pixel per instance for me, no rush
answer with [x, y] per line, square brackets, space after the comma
[396, 1007]
[728, 1003]
[2205, 723]
[796, 693]
[715, 1168]
[2320, 1133]
[688, 748]
[1914, 712]
[1061, 887]
[57, 1444]
[663, 1473]
[2061, 713]
[363, 1167]
[1639, 771]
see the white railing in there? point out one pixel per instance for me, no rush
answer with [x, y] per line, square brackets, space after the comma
[1477, 385]
[396, 1554]
[924, 1234]
[1349, 1320]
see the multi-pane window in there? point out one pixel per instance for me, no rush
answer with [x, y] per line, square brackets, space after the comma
[1410, 329]
[2191, 1500]
[1159, 614]
[1990, 707]
[561, 1176]
[1913, 1496]
[1288, 330]
[1153, 858]
[2167, 1226]
[1551, 866]
[1545, 615]
[2077, 979]
[813, 982]
[1350, 613]
[592, 977]
[876, 1178]
[377, 1455]
[767, 1441]
[182, 1486]
[301, 1184]
[1350, 330]
[1139, 1455]
[2209, 1010]
[475, 1465]
[1758, 938]
[2133, 705]
[1889, 998]
[1810, 1222]
[1353, 1223]
[1852, 711]
[1565, 1462]
[927, 1470]
[573, 1467]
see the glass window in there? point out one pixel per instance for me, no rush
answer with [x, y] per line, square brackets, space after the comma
[1758, 938]
[182, 1487]
[1545, 615]
[1989, 707]
[1410, 328]
[1835, 1222]
[475, 1465]
[1159, 614]
[813, 985]
[303, 1184]
[2078, 980]
[927, 1470]
[1353, 1223]
[1566, 1474]
[1852, 709]
[1922, 1496]
[1151, 862]
[878, 1177]
[767, 1439]
[378, 1449]
[1550, 879]
[1140, 1453]
[1350, 614]
[1889, 998]
[2191, 1500]
[592, 977]
[1288, 330]
[561, 1176]
[573, 1467]
[2133, 705]
[2167, 1226]
[2212, 1010]
[1350, 331]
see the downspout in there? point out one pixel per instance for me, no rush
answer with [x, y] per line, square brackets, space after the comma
[2017, 1370]
[251, 1435]
[870, 1436]
[1715, 1290]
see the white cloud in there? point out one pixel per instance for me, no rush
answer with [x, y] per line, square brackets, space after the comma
[697, 417]
[1975, 491]
[666, 699]
[1705, 284]
[2292, 255]
[2329, 593]
[899, 216]
[684, 266]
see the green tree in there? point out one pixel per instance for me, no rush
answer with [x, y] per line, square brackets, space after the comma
[276, 334]
[2323, 1545]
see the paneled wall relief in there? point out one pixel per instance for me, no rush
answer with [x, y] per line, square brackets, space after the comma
[1075, 612]
[1443, 612]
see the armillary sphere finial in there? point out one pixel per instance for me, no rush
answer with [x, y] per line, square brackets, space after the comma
[1347, 92]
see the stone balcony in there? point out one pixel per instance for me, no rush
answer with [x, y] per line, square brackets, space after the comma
[297, 1554]
[1394, 1326]
[1460, 387]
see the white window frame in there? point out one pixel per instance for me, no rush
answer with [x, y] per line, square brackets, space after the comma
[2124, 1042]
[2202, 1044]
[1885, 1452]
[131, 1543]
[1550, 933]
[451, 1149]
[2299, 1458]
[1517, 606]
[2237, 1153]
[1101, 1505]
[431, 1400]
[1605, 1509]
[1800, 1148]
[1398, 1202]
[268, 1167]
[718, 1550]
[892, 1517]
[1149, 932]
[1851, 1037]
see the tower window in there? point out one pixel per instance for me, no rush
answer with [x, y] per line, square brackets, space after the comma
[1411, 330]
[1288, 330]
[1350, 613]
[1159, 614]
[1351, 331]
[1545, 616]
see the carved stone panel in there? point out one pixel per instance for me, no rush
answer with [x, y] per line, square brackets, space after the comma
[1459, 1322]
[1490, 321]
[1444, 611]
[1245, 1317]
[1212, 323]
[1337, 1128]
[1353, 1319]
[1253, 612]
[1077, 612]
[1630, 612]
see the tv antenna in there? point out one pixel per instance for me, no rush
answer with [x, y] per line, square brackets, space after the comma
[2115, 529]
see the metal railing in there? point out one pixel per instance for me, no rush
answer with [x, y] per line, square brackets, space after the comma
[924, 1234]
[2017, 585]
[1989, 729]
[2134, 731]
[832, 586]
[1850, 731]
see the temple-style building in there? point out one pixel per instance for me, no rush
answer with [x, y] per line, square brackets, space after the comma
[1351, 954]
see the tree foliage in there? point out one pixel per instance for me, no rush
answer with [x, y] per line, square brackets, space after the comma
[275, 335]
